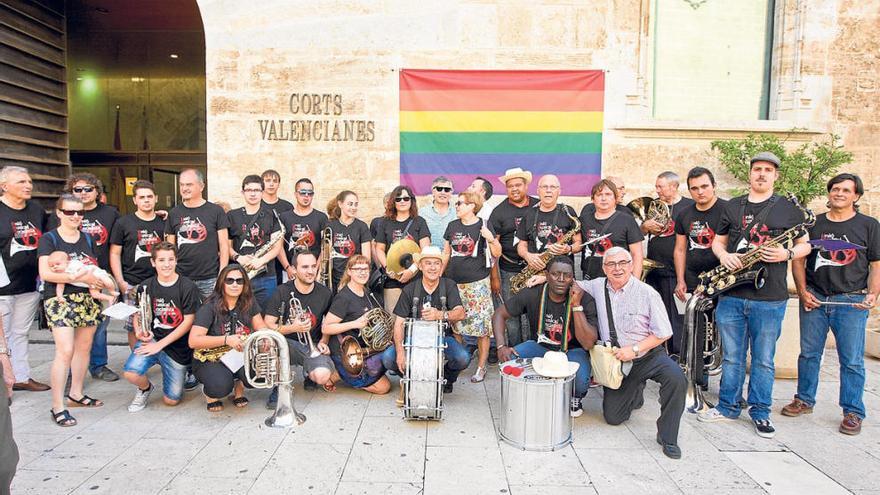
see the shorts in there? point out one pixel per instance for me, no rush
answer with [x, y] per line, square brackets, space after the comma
[299, 355]
[173, 373]
[76, 310]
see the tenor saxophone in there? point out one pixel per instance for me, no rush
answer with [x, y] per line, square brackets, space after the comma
[518, 281]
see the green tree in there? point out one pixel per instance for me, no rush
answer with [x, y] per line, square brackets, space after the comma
[804, 171]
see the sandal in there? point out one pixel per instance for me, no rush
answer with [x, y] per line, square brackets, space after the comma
[240, 402]
[84, 401]
[479, 375]
[62, 418]
[329, 387]
[215, 406]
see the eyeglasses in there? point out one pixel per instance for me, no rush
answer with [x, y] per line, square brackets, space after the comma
[252, 190]
[360, 268]
[306, 192]
[442, 189]
[402, 199]
[82, 189]
[70, 213]
[234, 281]
[619, 264]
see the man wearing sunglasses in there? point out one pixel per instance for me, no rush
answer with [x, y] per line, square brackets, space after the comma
[303, 225]
[438, 214]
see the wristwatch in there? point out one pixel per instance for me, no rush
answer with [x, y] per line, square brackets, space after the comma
[577, 308]
[5, 350]
[636, 349]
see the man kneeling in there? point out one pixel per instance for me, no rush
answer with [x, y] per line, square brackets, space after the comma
[640, 322]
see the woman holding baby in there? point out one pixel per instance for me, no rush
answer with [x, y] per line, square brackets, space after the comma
[72, 313]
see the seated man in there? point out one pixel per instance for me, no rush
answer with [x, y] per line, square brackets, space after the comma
[641, 324]
[551, 308]
[438, 299]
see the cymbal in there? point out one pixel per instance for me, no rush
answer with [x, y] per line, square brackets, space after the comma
[400, 255]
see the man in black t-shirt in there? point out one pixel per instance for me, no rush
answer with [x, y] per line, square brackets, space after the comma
[750, 318]
[435, 298]
[695, 231]
[545, 225]
[302, 226]
[505, 220]
[174, 300]
[603, 226]
[564, 319]
[271, 186]
[838, 285]
[22, 223]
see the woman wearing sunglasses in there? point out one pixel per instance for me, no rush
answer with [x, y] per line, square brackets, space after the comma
[223, 323]
[74, 316]
[350, 236]
[401, 221]
[346, 317]
[468, 251]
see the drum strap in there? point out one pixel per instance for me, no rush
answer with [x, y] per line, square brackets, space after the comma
[610, 316]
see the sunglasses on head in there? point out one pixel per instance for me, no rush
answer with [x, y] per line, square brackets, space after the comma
[306, 192]
[82, 189]
[70, 213]
[401, 199]
[234, 281]
[442, 189]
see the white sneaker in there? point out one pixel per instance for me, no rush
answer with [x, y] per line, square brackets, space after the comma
[712, 416]
[140, 400]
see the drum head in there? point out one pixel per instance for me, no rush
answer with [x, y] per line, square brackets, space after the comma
[353, 356]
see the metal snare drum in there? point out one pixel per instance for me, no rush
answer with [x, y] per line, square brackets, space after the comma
[423, 380]
[535, 411]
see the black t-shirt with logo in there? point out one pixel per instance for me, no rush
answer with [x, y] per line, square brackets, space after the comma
[843, 270]
[699, 229]
[662, 245]
[467, 258]
[505, 220]
[195, 231]
[250, 232]
[598, 236]
[444, 297]
[349, 307]
[137, 238]
[528, 302]
[233, 322]
[20, 232]
[389, 231]
[97, 222]
[308, 228]
[81, 250]
[347, 241]
[315, 304]
[170, 305]
[782, 216]
[542, 228]
[279, 206]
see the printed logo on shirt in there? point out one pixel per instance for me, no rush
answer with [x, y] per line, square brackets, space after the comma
[700, 235]
[552, 330]
[236, 327]
[343, 246]
[594, 247]
[670, 229]
[836, 258]
[755, 238]
[397, 235]
[191, 231]
[253, 236]
[83, 258]
[300, 234]
[146, 239]
[546, 234]
[516, 222]
[462, 245]
[25, 237]
[166, 314]
[96, 229]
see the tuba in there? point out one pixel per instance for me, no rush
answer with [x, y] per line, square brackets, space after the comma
[325, 267]
[378, 335]
[518, 281]
[267, 364]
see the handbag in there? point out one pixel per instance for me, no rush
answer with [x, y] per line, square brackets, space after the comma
[607, 369]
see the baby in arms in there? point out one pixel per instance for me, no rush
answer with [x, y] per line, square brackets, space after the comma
[60, 262]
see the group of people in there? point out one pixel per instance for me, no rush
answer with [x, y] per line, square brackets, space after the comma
[213, 276]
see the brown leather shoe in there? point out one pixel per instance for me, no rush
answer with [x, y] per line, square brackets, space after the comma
[851, 424]
[796, 408]
[31, 386]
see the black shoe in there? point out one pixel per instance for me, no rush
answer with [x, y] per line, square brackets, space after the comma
[670, 450]
[105, 373]
[272, 401]
[309, 385]
[190, 382]
[447, 388]
[764, 428]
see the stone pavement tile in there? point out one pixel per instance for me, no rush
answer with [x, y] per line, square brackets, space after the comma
[387, 448]
[43, 482]
[365, 488]
[561, 467]
[736, 435]
[144, 468]
[332, 418]
[466, 424]
[33, 445]
[385, 405]
[190, 483]
[464, 470]
[236, 452]
[86, 462]
[785, 473]
[302, 468]
[189, 420]
[608, 468]
[551, 489]
[590, 431]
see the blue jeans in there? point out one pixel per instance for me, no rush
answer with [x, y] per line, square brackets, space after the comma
[532, 349]
[98, 356]
[517, 327]
[173, 373]
[848, 326]
[456, 355]
[263, 287]
[744, 324]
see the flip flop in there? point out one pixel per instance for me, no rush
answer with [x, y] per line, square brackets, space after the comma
[215, 406]
[240, 402]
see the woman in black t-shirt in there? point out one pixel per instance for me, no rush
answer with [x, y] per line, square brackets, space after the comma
[73, 317]
[228, 316]
[470, 245]
[350, 236]
[347, 316]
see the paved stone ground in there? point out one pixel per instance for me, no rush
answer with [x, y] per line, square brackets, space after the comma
[354, 443]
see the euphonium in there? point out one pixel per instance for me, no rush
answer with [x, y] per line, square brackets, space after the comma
[266, 365]
[325, 268]
[378, 334]
[518, 281]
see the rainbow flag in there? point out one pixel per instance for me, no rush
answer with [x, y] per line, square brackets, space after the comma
[465, 123]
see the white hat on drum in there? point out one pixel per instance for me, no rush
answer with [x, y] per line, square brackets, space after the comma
[554, 365]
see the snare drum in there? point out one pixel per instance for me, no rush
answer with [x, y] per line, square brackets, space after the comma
[535, 411]
[423, 380]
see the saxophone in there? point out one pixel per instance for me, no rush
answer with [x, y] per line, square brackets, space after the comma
[274, 239]
[518, 281]
[213, 354]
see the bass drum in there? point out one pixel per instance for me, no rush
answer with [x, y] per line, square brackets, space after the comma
[423, 380]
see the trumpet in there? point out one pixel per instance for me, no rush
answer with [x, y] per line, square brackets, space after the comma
[145, 312]
[298, 314]
[325, 275]
[267, 364]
